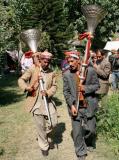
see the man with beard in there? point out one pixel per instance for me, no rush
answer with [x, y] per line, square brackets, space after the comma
[103, 68]
[82, 113]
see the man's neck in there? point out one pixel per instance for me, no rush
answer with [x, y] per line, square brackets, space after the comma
[44, 70]
[74, 71]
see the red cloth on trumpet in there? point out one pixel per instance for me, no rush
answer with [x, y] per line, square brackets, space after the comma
[28, 54]
[87, 35]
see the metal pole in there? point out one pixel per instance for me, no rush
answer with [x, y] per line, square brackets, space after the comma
[46, 104]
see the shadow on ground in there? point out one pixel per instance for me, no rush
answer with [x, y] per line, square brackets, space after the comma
[57, 101]
[57, 134]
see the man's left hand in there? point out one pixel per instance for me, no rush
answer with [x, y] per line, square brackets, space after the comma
[81, 88]
[44, 93]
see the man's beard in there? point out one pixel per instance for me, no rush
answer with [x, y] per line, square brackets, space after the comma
[73, 70]
[98, 61]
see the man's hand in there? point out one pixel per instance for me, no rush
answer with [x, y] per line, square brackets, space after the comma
[29, 89]
[81, 88]
[95, 65]
[74, 110]
[40, 77]
[44, 93]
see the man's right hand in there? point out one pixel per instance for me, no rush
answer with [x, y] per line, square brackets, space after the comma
[74, 110]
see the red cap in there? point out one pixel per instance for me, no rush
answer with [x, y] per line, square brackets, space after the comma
[74, 54]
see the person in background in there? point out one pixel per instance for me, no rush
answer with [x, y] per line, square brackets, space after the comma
[103, 68]
[93, 57]
[114, 60]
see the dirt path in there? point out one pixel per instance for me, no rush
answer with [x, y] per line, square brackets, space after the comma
[64, 150]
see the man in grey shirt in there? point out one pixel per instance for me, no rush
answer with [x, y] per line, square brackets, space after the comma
[82, 115]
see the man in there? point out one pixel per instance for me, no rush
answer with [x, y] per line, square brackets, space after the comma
[35, 102]
[114, 60]
[82, 114]
[93, 57]
[103, 68]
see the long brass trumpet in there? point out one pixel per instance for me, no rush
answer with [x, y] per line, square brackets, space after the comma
[94, 14]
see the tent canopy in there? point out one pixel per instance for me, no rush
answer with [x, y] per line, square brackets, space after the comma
[112, 45]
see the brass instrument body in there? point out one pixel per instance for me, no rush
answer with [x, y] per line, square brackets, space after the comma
[31, 37]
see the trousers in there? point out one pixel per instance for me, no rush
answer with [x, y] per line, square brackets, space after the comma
[42, 126]
[115, 79]
[82, 128]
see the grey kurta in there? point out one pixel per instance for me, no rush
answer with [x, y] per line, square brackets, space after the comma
[70, 90]
[91, 86]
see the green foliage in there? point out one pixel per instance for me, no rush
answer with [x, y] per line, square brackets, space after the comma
[6, 28]
[57, 21]
[108, 26]
[51, 16]
[108, 117]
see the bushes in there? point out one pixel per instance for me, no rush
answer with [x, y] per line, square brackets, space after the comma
[108, 117]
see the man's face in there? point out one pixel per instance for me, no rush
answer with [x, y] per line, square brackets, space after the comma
[73, 63]
[99, 56]
[45, 63]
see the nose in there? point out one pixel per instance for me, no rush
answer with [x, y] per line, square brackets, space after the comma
[70, 63]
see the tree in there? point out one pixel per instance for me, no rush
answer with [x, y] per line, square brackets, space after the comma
[51, 17]
[108, 26]
[6, 30]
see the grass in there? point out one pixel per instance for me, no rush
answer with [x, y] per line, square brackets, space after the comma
[108, 121]
[12, 116]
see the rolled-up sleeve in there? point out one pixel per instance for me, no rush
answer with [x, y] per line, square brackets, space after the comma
[23, 79]
[52, 90]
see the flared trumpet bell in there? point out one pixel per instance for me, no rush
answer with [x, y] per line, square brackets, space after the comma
[94, 14]
[31, 38]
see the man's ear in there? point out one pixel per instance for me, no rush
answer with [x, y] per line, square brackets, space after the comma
[79, 62]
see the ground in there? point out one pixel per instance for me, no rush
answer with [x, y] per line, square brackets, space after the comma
[18, 132]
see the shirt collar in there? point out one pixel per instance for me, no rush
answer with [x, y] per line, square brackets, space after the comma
[41, 70]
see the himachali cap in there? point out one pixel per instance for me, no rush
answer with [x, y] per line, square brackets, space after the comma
[73, 54]
[46, 55]
[36, 54]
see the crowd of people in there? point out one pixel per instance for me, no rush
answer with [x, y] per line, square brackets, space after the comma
[82, 111]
